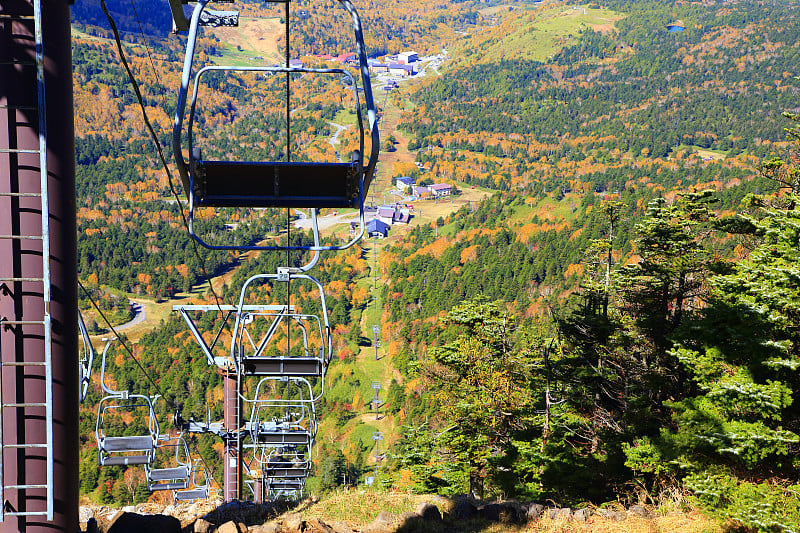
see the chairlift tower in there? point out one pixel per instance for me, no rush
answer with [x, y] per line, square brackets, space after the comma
[377, 436]
[376, 331]
[38, 271]
[376, 401]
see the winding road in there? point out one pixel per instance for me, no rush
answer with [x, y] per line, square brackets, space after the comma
[140, 315]
[334, 140]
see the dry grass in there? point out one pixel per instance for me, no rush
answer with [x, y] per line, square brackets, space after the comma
[357, 507]
[360, 507]
[673, 523]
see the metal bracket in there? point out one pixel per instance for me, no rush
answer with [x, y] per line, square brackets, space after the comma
[284, 273]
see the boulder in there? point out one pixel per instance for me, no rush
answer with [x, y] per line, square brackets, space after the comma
[293, 523]
[269, 527]
[124, 522]
[464, 509]
[534, 511]
[581, 515]
[202, 526]
[429, 512]
[385, 522]
[315, 525]
[85, 513]
[639, 510]
[505, 512]
[611, 514]
[564, 513]
[229, 527]
[341, 527]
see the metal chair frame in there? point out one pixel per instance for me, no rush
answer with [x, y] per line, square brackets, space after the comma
[195, 490]
[245, 363]
[192, 173]
[171, 478]
[109, 446]
[86, 362]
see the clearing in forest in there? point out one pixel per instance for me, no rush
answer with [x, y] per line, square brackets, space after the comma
[534, 34]
[254, 42]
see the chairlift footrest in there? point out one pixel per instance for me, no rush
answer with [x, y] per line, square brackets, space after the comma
[121, 460]
[277, 484]
[167, 486]
[287, 473]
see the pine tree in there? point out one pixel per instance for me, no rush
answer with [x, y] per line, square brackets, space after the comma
[481, 385]
[738, 435]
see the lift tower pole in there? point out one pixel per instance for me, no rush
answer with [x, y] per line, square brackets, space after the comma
[38, 271]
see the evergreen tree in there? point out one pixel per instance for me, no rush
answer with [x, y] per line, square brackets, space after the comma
[481, 385]
[741, 425]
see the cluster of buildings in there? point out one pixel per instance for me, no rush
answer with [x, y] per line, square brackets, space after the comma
[386, 216]
[402, 64]
[383, 217]
[437, 190]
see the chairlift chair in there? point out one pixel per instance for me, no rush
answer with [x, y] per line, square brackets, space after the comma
[290, 462]
[273, 184]
[285, 488]
[297, 412]
[281, 431]
[279, 434]
[196, 490]
[171, 477]
[248, 355]
[124, 449]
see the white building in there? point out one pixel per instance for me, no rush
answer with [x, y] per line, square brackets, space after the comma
[407, 57]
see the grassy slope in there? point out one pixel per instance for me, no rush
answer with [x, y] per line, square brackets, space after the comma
[534, 34]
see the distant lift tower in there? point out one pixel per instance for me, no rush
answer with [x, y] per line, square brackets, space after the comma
[38, 271]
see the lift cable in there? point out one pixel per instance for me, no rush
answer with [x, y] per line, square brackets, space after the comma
[160, 150]
[172, 406]
[149, 55]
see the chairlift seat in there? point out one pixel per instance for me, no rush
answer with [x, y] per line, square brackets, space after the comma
[283, 366]
[190, 494]
[128, 444]
[165, 474]
[276, 184]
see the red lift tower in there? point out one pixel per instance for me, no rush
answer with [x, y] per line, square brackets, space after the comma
[38, 271]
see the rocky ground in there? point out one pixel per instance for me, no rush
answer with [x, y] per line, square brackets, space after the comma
[453, 515]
